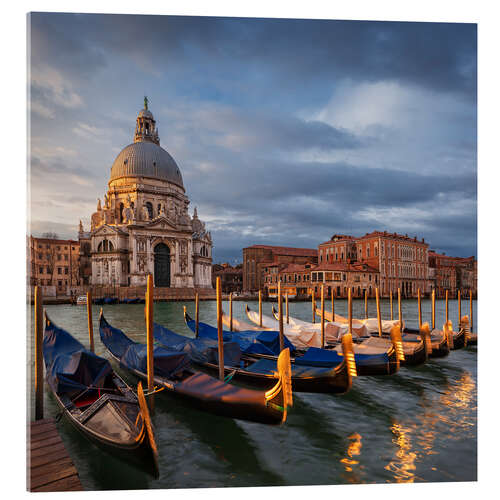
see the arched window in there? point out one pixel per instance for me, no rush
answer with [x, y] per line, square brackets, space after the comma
[120, 217]
[105, 246]
[159, 208]
[149, 206]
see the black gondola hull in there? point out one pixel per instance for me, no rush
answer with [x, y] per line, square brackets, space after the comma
[138, 453]
[459, 340]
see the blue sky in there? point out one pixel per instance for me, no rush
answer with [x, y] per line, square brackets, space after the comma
[285, 131]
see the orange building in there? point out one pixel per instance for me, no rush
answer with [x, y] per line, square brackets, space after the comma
[400, 261]
[452, 274]
[53, 262]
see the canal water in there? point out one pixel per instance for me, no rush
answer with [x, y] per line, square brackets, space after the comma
[419, 425]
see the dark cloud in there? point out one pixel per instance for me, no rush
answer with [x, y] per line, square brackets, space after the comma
[237, 102]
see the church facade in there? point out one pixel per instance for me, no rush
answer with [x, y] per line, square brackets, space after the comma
[143, 226]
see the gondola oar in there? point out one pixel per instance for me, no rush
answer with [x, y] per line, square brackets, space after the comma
[149, 428]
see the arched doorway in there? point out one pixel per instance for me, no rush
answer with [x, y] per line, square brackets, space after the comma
[162, 265]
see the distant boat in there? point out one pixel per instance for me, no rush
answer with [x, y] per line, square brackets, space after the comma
[81, 300]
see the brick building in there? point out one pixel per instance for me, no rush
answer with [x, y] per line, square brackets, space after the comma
[257, 258]
[452, 274]
[231, 278]
[54, 263]
[398, 261]
[295, 278]
[302, 279]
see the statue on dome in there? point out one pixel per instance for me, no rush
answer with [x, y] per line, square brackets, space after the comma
[144, 212]
[99, 204]
[80, 227]
[145, 102]
[106, 200]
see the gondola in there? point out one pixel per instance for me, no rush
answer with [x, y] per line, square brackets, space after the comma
[97, 401]
[174, 373]
[375, 357]
[415, 350]
[262, 372]
[415, 353]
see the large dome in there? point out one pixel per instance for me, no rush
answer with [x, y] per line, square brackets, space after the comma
[146, 159]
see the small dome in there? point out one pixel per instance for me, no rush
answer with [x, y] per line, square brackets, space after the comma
[146, 159]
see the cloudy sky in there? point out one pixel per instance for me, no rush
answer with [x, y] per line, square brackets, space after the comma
[285, 131]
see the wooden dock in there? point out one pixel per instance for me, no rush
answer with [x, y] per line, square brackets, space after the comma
[50, 467]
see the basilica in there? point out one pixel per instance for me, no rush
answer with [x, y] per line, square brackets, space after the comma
[143, 225]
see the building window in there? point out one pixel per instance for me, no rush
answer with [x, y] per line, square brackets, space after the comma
[59, 270]
[41, 270]
[149, 207]
[65, 270]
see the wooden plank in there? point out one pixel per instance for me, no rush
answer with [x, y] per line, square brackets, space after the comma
[53, 476]
[38, 423]
[49, 457]
[43, 443]
[43, 435]
[53, 466]
[43, 429]
[47, 449]
[71, 483]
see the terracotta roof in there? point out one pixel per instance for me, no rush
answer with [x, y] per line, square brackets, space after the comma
[306, 252]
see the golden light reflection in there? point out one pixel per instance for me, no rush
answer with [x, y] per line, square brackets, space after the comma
[353, 450]
[404, 463]
[416, 439]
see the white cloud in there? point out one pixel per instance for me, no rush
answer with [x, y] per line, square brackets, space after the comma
[40, 109]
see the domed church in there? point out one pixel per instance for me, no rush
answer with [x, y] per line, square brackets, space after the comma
[143, 225]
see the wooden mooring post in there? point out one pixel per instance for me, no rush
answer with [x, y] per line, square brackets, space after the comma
[349, 310]
[379, 318]
[433, 309]
[470, 309]
[446, 305]
[150, 342]
[286, 309]
[419, 310]
[400, 313]
[366, 303]
[392, 312]
[230, 311]
[313, 306]
[322, 316]
[38, 354]
[220, 333]
[280, 317]
[333, 305]
[260, 308]
[196, 313]
[459, 298]
[90, 322]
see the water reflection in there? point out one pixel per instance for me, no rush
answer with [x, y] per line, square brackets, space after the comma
[349, 463]
[403, 464]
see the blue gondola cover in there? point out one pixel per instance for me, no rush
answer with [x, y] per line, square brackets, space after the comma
[201, 350]
[70, 367]
[250, 342]
[167, 362]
